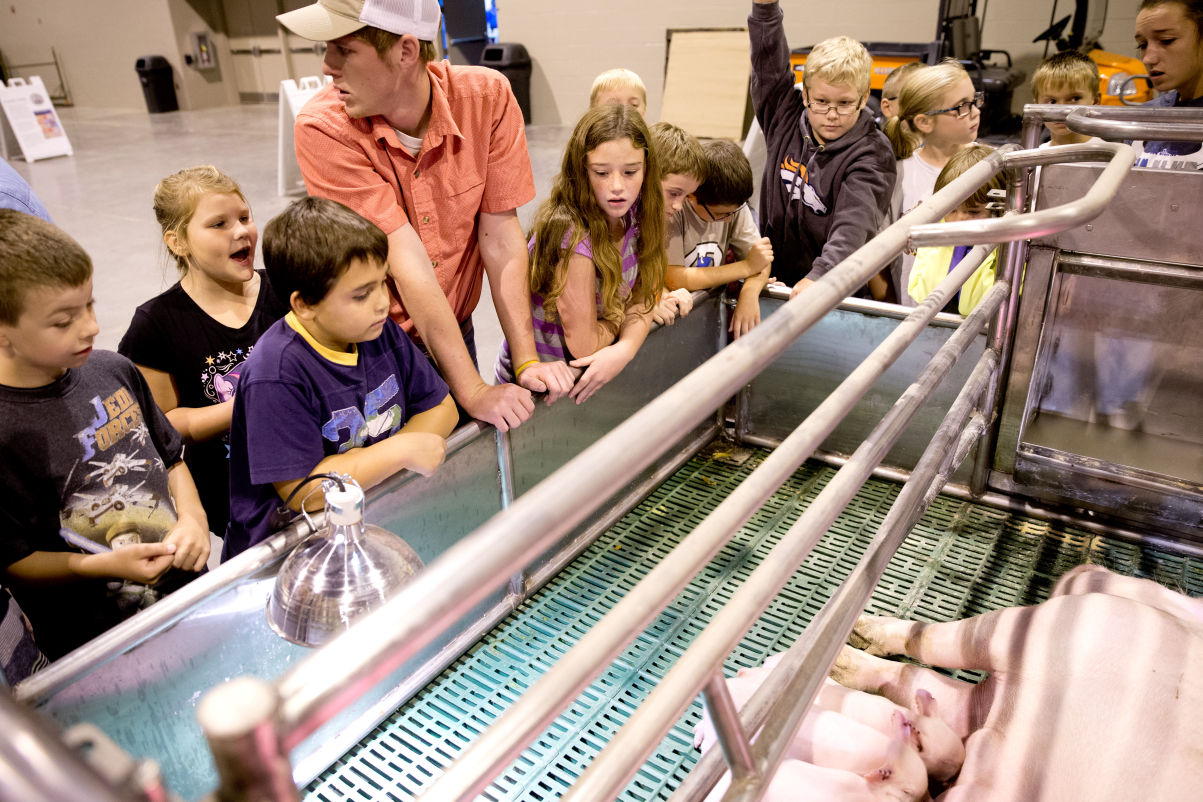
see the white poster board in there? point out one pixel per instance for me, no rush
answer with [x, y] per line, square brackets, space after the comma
[30, 121]
[293, 95]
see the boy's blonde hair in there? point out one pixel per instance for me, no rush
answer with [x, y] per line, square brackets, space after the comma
[618, 78]
[893, 82]
[1071, 69]
[678, 151]
[839, 60]
[176, 198]
[961, 161]
[35, 254]
[922, 91]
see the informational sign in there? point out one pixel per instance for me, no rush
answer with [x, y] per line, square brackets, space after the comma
[293, 95]
[30, 121]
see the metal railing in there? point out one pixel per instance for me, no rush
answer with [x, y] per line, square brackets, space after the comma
[314, 690]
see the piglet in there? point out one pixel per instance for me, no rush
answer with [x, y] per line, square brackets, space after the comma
[829, 739]
[940, 749]
[799, 781]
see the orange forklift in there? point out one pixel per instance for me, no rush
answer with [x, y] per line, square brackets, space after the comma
[959, 36]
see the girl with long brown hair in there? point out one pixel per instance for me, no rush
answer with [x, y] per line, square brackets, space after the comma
[597, 251]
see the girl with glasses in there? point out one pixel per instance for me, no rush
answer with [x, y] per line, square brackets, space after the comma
[938, 114]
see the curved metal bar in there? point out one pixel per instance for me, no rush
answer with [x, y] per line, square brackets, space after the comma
[1138, 122]
[1037, 224]
[1131, 121]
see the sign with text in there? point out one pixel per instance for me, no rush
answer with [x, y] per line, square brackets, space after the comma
[30, 120]
[293, 95]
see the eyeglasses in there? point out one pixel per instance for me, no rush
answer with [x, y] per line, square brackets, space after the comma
[718, 218]
[842, 108]
[963, 108]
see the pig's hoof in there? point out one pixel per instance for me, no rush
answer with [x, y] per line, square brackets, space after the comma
[868, 635]
[844, 670]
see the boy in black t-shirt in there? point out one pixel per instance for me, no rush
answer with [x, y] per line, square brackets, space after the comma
[92, 487]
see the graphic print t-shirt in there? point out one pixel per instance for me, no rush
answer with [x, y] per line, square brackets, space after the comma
[299, 403]
[89, 454]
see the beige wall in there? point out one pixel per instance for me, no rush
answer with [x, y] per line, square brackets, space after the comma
[201, 89]
[98, 44]
[571, 42]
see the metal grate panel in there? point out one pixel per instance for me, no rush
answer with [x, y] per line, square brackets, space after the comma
[961, 559]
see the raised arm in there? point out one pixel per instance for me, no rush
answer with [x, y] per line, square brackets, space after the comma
[507, 263]
[772, 77]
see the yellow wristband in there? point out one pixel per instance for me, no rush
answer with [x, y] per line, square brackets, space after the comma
[524, 366]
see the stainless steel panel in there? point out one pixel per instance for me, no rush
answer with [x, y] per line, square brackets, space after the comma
[1158, 204]
[1101, 409]
[565, 429]
[1096, 486]
[1029, 324]
[790, 389]
[1118, 369]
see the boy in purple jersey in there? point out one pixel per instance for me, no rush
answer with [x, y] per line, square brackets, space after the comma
[335, 385]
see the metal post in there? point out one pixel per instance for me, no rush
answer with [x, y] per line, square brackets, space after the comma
[239, 719]
[1002, 332]
[725, 717]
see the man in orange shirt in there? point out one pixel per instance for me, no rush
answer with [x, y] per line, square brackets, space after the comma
[436, 156]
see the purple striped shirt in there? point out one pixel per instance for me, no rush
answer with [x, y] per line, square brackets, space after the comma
[550, 342]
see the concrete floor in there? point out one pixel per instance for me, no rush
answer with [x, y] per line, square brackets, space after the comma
[102, 194]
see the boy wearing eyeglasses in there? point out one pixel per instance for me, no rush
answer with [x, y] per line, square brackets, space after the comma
[830, 172]
[713, 222]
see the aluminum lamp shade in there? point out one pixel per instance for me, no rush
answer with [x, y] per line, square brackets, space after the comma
[338, 574]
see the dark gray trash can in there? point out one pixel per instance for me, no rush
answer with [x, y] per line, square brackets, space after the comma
[157, 86]
[512, 61]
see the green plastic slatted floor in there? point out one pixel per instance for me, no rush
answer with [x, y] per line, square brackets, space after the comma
[960, 560]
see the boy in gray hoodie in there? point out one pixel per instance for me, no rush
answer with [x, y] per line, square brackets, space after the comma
[830, 172]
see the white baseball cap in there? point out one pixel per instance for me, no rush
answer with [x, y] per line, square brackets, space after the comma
[333, 19]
